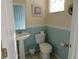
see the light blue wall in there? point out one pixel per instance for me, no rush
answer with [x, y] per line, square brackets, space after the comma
[55, 37]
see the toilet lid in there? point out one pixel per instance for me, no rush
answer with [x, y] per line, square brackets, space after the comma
[45, 46]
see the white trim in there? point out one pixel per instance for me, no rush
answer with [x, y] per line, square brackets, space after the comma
[53, 26]
[35, 26]
[74, 33]
[59, 27]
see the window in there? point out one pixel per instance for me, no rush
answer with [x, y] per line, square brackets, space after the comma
[56, 5]
[19, 17]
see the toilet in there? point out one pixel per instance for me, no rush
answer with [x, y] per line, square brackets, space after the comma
[45, 48]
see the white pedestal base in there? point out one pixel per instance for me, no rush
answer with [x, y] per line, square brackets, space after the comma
[21, 49]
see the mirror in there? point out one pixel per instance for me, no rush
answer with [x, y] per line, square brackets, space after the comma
[19, 16]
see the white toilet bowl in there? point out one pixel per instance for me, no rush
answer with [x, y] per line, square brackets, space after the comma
[45, 50]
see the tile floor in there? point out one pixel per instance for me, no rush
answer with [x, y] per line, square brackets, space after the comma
[37, 56]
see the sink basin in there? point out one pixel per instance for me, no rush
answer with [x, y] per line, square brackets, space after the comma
[22, 36]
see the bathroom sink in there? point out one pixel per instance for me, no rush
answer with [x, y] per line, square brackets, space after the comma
[22, 36]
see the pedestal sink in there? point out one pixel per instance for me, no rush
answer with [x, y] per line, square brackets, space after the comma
[21, 37]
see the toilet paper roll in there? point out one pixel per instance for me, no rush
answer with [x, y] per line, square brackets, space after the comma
[62, 44]
[41, 32]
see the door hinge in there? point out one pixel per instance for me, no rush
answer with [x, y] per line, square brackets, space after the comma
[3, 53]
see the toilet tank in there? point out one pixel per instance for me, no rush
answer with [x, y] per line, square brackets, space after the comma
[40, 38]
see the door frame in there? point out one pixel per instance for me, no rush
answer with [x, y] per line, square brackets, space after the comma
[73, 50]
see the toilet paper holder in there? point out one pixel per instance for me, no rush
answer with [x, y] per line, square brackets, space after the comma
[66, 45]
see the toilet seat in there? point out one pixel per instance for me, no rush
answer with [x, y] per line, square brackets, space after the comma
[45, 47]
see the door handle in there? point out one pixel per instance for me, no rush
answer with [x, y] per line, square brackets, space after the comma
[3, 53]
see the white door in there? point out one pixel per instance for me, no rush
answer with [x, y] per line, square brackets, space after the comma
[8, 29]
[74, 33]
